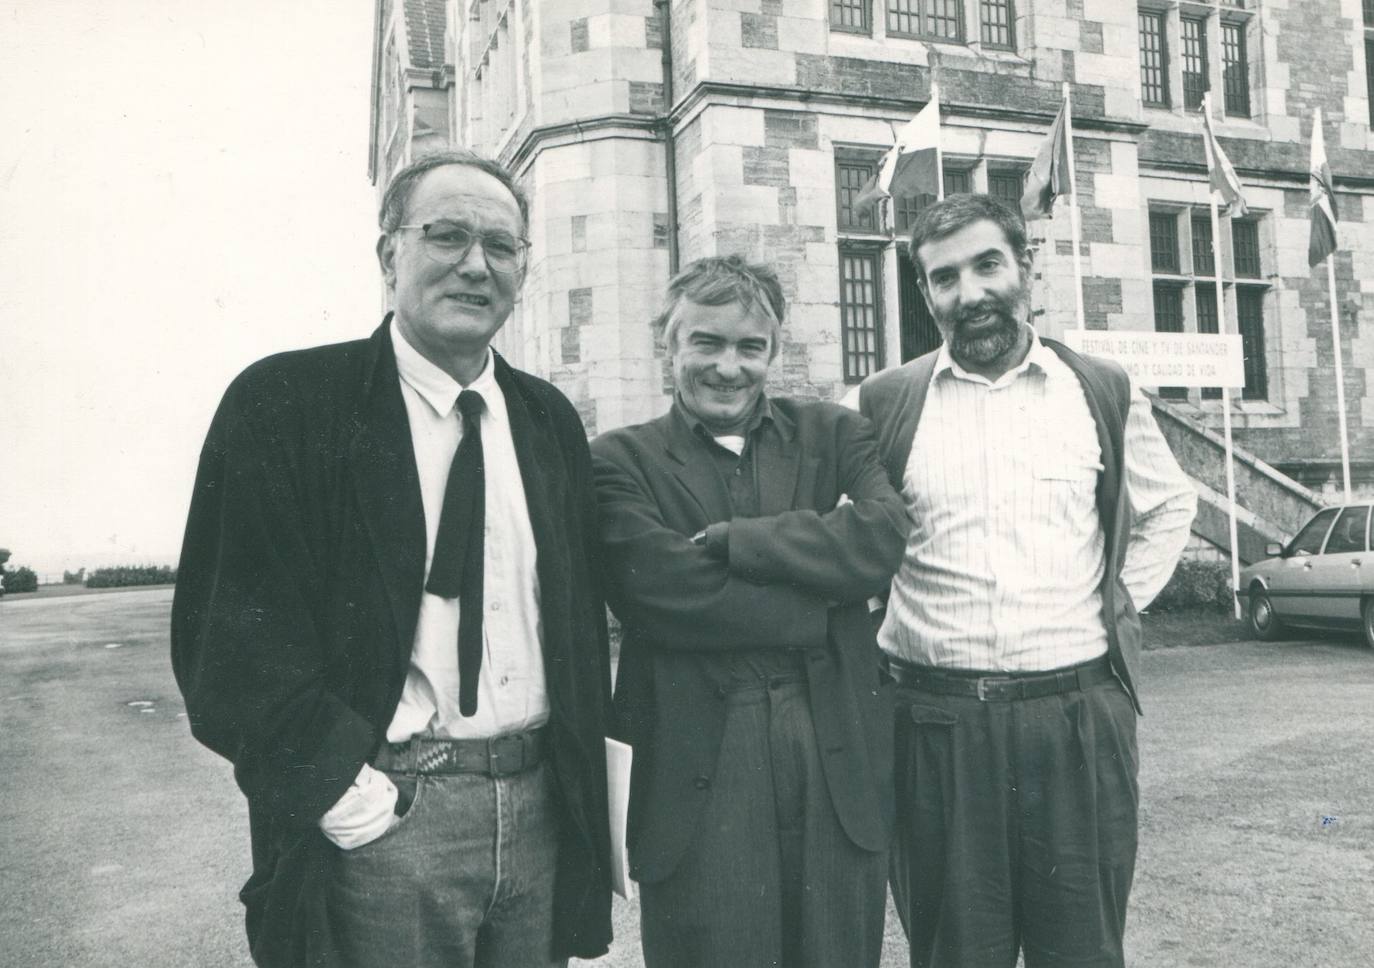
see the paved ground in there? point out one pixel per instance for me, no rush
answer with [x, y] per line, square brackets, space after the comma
[125, 842]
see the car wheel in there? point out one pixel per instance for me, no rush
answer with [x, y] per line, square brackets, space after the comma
[1367, 623]
[1264, 622]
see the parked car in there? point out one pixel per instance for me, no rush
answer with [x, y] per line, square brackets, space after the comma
[1323, 578]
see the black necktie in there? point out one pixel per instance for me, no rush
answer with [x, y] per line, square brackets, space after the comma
[457, 568]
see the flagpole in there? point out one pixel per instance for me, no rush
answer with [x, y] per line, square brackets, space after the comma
[939, 145]
[1073, 211]
[1225, 391]
[1340, 373]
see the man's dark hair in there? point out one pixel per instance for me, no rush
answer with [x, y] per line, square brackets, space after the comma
[722, 280]
[403, 183]
[956, 212]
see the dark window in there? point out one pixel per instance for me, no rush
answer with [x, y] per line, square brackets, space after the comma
[1205, 298]
[1250, 315]
[958, 182]
[1007, 186]
[850, 178]
[1154, 60]
[905, 210]
[860, 327]
[1245, 243]
[1309, 540]
[1203, 263]
[1194, 31]
[1350, 533]
[1163, 242]
[1206, 309]
[1169, 319]
[919, 332]
[849, 15]
[1235, 70]
[1368, 13]
[931, 19]
[1369, 75]
[995, 23]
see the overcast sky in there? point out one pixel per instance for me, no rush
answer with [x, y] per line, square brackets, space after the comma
[183, 189]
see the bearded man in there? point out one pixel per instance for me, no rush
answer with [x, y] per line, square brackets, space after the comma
[1046, 511]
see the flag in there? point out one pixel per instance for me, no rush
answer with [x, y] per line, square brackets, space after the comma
[1322, 240]
[911, 165]
[1050, 174]
[1220, 174]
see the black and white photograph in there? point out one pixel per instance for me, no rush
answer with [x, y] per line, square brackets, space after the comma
[687, 483]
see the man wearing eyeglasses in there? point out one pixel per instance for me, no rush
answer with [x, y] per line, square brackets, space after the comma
[386, 617]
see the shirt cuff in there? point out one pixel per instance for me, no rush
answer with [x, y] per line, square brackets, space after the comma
[365, 811]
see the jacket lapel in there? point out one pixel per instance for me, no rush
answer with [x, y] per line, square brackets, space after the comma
[381, 462]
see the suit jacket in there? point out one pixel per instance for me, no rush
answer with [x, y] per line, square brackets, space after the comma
[294, 617]
[797, 577]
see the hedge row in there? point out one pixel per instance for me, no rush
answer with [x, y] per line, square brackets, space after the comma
[126, 575]
[1196, 584]
[20, 579]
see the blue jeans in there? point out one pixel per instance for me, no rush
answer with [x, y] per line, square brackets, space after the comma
[463, 880]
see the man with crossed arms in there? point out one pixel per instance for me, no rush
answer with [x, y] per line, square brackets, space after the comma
[1046, 510]
[743, 534]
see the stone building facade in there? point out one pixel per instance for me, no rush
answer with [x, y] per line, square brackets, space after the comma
[651, 132]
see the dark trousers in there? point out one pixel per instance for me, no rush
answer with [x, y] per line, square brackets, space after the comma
[1016, 827]
[771, 878]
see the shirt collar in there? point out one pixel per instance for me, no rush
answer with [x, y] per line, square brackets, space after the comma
[1035, 361]
[763, 413]
[436, 387]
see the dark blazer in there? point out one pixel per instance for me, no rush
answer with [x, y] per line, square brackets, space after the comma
[297, 596]
[797, 577]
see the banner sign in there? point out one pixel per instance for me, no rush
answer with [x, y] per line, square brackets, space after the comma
[1168, 359]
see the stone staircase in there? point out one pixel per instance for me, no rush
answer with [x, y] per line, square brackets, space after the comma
[1269, 505]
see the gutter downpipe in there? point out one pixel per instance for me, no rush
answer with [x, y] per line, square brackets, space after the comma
[666, 129]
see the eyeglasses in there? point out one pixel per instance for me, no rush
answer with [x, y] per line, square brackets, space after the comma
[449, 243]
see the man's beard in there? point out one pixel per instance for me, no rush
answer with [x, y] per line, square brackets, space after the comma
[993, 340]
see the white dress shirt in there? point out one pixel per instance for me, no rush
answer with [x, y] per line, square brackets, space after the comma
[1003, 565]
[511, 692]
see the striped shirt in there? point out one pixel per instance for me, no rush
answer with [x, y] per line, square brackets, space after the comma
[1003, 565]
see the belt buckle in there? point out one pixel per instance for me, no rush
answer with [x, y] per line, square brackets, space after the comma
[494, 757]
[994, 681]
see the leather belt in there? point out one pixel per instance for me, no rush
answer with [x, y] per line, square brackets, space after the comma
[497, 756]
[1001, 688]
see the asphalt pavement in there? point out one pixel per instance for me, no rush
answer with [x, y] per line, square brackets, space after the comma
[125, 842]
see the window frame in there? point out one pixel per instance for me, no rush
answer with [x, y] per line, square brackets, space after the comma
[854, 160]
[1235, 96]
[1193, 95]
[872, 253]
[986, 7]
[922, 11]
[865, 9]
[1160, 18]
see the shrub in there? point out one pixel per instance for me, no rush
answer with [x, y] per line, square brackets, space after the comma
[77, 577]
[1196, 584]
[21, 579]
[123, 576]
